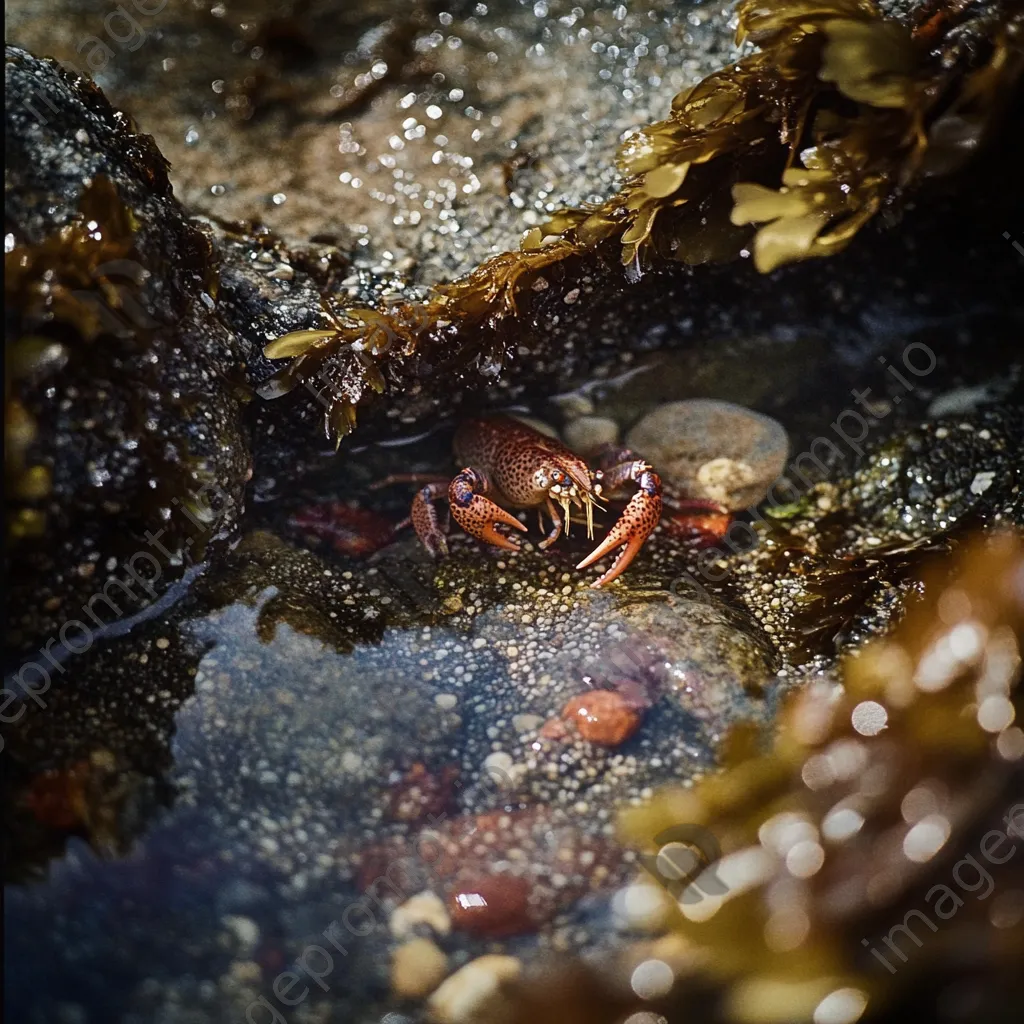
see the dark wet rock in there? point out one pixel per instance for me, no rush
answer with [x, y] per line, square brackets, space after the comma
[297, 131]
[832, 569]
[124, 413]
[713, 450]
[925, 481]
[235, 688]
[272, 748]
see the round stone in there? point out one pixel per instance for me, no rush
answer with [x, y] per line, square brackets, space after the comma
[472, 991]
[712, 450]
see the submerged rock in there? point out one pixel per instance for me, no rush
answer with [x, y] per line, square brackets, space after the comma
[417, 968]
[473, 992]
[587, 434]
[602, 716]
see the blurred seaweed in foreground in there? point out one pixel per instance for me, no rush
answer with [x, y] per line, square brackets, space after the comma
[787, 154]
[873, 858]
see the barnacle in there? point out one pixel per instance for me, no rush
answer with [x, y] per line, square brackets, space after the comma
[796, 146]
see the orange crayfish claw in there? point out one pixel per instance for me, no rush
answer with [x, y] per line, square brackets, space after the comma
[634, 526]
[479, 517]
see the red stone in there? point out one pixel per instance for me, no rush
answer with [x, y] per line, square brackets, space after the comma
[457, 857]
[491, 906]
[350, 531]
[603, 717]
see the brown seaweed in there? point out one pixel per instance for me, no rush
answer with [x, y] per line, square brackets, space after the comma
[925, 716]
[71, 280]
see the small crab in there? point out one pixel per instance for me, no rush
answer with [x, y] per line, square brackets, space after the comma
[510, 465]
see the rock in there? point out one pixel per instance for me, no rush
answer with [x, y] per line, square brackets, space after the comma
[712, 669]
[350, 531]
[426, 909]
[588, 433]
[491, 906]
[708, 449]
[926, 479]
[245, 930]
[467, 995]
[417, 968]
[556, 863]
[124, 418]
[603, 716]
[348, 727]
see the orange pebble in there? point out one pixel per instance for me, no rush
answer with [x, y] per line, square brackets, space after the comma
[603, 716]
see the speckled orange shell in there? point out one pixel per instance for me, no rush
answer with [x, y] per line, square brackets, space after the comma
[509, 453]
